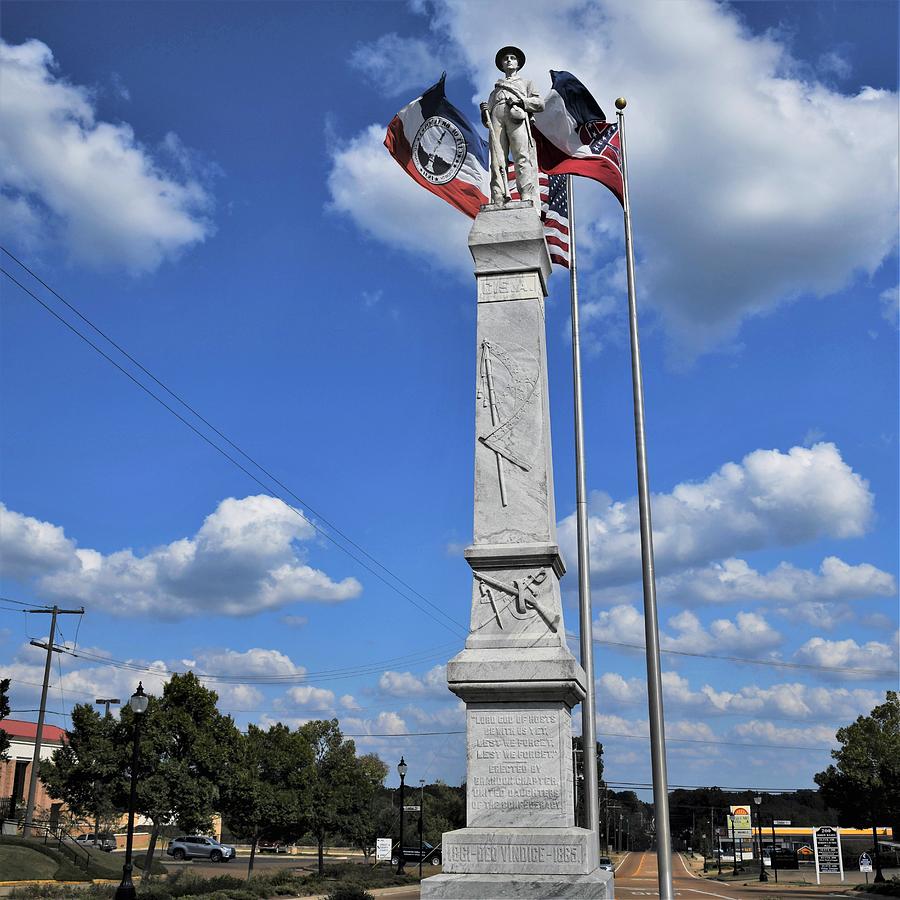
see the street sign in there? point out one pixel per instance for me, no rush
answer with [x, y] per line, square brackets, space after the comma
[782, 822]
[827, 849]
[412, 808]
[382, 849]
[740, 819]
[865, 863]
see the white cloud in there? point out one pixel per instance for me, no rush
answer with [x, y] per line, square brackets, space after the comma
[294, 621]
[873, 655]
[717, 196]
[386, 722]
[348, 701]
[734, 580]
[244, 559]
[312, 698]
[890, 304]
[91, 182]
[768, 733]
[399, 65]
[255, 661]
[405, 684]
[768, 499]
[783, 700]
[749, 633]
[452, 716]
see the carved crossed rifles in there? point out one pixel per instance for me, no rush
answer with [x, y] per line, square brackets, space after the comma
[522, 590]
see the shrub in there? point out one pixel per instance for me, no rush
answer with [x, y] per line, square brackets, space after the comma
[349, 892]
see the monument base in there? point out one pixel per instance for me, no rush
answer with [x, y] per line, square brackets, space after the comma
[596, 886]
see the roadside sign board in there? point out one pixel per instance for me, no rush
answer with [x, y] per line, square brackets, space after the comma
[382, 849]
[827, 849]
[782, 822]
[865, 863]
[412, 808]
[740, 818]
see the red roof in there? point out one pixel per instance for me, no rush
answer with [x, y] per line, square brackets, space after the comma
[52, 734]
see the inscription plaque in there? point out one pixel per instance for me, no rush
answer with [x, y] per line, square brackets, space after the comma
[515, 769]
[519, 286]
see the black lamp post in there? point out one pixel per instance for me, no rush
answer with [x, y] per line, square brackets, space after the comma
[762, 870]
[401, 768]
[138, 704]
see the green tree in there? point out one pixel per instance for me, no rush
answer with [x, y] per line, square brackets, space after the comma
[4, 712]
[864, 785]
[83, 772]
[340, 784]
[266, 793]
[188, 753]
[373, 818]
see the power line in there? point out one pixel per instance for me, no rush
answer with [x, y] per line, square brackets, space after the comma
[776, 663]
[227, 456]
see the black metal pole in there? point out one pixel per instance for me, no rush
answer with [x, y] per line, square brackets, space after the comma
[733, 845]
[762, 870]
[126, 891]
[401, 866]
[719, 859]
[774, 858]
[879, 875]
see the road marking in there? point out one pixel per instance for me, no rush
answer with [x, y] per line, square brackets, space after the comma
[686, 869]
[708, 894]
[619, 866]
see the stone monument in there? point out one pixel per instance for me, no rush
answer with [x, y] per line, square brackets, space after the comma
[516, 675]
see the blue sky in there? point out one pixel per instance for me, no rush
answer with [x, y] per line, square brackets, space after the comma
[206, 183]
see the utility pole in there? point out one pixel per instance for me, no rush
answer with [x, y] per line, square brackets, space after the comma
[39, 732]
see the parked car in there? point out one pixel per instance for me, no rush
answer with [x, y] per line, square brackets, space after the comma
[430, 855]
[605, 863]
[105, 842]
[200, 847]
[265, 846]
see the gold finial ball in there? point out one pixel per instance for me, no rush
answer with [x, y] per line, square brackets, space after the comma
[621, 103]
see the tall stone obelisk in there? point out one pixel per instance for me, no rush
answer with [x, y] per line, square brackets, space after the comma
[516, 675]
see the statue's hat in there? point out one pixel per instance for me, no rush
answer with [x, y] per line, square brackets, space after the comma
[503, 51]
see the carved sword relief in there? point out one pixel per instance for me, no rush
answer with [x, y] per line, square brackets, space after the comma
[509, 387]
[524, 594]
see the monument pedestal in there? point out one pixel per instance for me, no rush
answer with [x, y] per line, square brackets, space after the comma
[516, 675]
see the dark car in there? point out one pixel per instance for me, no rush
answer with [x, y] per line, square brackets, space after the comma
[200, 847]
[429, 854]
[276, 847]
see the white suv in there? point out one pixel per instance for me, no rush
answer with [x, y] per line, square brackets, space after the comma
[201, 847]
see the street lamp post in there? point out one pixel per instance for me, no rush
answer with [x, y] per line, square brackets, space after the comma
[762, 870]
[138, 704]
[401, 768]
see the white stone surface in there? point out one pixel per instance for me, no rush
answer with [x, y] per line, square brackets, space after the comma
[516, 674]
[519, 768]
[598, 885]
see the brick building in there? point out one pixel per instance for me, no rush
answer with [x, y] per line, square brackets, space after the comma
[15, 770]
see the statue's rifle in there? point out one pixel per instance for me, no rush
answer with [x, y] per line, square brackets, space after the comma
[498, 167]
[488, 374]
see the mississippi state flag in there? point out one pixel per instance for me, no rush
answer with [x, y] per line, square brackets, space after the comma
[437, 146]
[573, 136]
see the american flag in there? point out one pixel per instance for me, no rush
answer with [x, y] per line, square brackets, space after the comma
[554, 213]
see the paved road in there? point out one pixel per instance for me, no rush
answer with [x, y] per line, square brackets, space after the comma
[637, 876]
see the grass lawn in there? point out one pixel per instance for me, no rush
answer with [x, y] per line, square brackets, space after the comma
[22, 863]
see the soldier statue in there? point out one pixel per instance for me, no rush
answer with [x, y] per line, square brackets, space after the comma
[507, 118]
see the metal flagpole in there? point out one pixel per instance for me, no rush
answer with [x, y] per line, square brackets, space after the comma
[651, 623]
[588, 710]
